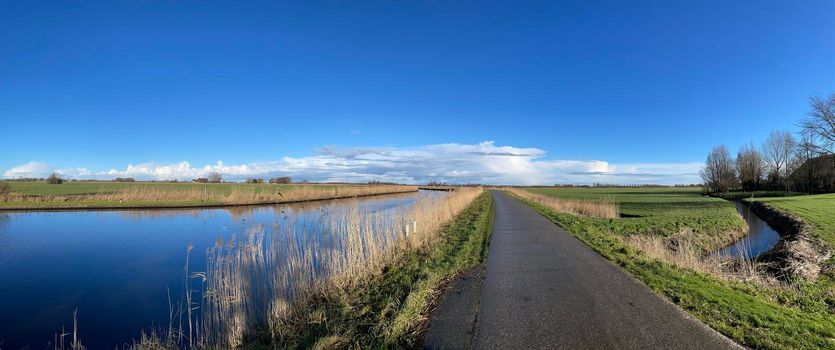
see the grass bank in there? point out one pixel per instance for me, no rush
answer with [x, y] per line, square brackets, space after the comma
[103, 195]
[816, 210]
[799, 315]
[390, 309]
[740, 195]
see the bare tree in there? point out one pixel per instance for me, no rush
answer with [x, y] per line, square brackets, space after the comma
[777, 150]
[803, 162]
[54, 179]
[821, 125]
[749, 167]
[718, 172]
[214, 177]
[821, 122]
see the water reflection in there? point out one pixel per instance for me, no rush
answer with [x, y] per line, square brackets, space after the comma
[760, 239]
[118, 268]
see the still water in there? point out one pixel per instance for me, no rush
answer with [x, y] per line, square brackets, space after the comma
[118, 268]
[760, 239]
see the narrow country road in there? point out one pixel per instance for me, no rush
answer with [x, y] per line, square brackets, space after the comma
[544, 289]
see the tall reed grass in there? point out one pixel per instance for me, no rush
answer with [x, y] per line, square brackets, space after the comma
[604, 208]
[252, 285]
[255, 283]
[66, 340]
[688, 255]
[236, 196]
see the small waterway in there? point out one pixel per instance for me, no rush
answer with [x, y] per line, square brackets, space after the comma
[760, 239]
[121, 270]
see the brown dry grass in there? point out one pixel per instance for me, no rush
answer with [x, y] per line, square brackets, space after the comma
[606, 208]
[237, 196]
[687, 255]
[66, 340]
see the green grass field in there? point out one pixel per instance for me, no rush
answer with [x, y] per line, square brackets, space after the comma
[800, 316]
[667, 211]
[816, 210]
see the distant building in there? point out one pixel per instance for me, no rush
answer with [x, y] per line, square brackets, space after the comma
[816, 175]
[201, 180]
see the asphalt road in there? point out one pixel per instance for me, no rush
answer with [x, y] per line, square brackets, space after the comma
[544, 289]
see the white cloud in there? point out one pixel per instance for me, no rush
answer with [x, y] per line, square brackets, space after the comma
[31, 169]
[452, 162]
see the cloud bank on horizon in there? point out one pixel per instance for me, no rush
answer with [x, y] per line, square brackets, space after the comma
[452, 163]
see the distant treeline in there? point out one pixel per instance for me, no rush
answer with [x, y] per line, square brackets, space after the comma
[601, 185]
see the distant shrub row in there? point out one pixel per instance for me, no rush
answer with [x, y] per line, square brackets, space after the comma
[274, 180]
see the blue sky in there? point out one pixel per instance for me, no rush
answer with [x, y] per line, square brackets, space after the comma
[517, 92]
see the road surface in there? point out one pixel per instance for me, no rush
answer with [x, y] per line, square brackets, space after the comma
[544, 289]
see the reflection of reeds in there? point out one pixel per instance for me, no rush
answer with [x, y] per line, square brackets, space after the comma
[236, 196]
[604, 208]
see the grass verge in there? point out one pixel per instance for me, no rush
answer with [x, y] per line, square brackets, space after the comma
[391, 309]
[798, 316]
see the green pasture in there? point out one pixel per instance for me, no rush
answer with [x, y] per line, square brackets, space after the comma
[664, 211]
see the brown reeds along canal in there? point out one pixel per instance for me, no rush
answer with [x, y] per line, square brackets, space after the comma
[124, 271]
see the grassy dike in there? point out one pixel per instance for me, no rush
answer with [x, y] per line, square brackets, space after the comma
[391, 309]
[796, 317]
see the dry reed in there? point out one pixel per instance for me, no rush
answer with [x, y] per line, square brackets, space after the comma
[236, 196]
[73, 343]
[251, 285]
[604, 208]
[687, 255]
